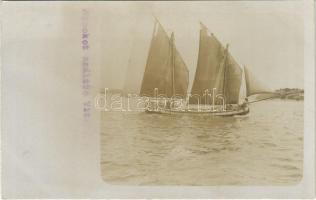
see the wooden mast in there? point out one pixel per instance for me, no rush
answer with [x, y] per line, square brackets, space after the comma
[225, 71]
[172, 64]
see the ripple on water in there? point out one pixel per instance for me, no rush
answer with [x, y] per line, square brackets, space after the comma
[264, 147]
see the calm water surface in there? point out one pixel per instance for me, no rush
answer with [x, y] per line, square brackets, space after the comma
[264, 147]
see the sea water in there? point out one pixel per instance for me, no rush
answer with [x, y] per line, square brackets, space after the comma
[264, 147]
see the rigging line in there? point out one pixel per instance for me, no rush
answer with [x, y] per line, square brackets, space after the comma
[263, 99]
[225, 70]
[173, 64]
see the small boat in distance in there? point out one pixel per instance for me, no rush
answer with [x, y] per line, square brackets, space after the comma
[220, 86]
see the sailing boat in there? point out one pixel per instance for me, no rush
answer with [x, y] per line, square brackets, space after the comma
[220, 85]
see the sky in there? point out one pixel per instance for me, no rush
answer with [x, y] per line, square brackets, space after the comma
[267, 37]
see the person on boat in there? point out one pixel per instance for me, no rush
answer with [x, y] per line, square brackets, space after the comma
[229, 107]
[244, 104]
[168, 104]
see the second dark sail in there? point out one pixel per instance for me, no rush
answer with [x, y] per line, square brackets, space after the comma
[211, 53]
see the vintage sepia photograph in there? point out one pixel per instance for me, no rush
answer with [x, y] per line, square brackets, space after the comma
[202, 93]
[157, 99]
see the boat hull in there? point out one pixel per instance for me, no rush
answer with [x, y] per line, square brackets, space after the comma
[241, 111]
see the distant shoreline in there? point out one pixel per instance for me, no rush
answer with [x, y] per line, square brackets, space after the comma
[290, 93]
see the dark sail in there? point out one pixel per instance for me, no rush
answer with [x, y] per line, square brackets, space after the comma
[165, 68]
[232, 80]
[157, 72]
[254, 86]
[211, 54]
[228, 80]
[181, 76]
